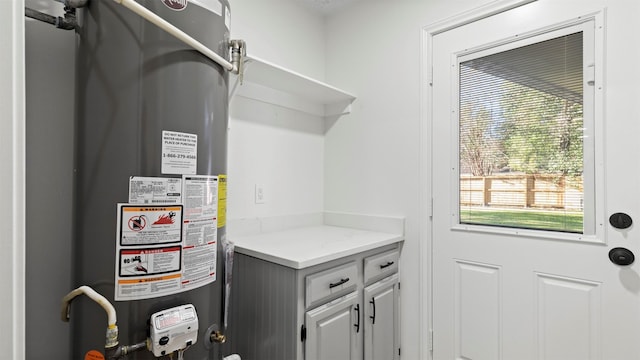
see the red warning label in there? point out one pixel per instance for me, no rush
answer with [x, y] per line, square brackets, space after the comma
[149, 262]
[150, 225]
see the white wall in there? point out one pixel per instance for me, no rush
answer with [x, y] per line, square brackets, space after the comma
[279, 148]
[281, 31]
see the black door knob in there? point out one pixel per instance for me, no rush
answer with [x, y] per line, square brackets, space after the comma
[621, 256]
[620, 220]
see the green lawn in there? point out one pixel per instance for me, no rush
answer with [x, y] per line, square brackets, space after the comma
[529, 219]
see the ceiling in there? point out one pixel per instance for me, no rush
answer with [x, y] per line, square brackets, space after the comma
[326, 7]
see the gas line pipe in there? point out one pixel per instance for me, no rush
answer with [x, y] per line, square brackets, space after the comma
[112, 349]
[112, 328]
[235, 67]
[238, 50]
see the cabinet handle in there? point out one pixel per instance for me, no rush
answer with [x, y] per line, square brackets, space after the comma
[389, 263]
[373, 317]
[357, 324]
[342, 281]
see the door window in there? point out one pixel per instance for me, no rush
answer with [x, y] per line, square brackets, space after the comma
[525, 133]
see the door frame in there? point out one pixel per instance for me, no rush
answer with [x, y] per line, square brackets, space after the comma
[12, 146]
[426, 153]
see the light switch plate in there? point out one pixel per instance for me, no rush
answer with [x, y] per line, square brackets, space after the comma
[260, 196]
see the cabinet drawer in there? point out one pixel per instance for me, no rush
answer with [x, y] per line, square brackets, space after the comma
[329, 283]
[381, 265]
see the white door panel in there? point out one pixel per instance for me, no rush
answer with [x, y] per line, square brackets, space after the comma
[518, 295]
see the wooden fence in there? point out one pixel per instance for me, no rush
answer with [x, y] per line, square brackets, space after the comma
[525, 191]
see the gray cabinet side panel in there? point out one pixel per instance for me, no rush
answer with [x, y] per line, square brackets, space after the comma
[264, 304]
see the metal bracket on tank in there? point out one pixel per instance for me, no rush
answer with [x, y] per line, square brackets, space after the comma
[238, 53]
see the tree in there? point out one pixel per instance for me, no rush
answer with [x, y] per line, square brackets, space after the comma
[542, 132]
[480, 146]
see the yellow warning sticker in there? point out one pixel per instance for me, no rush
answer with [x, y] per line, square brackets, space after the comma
[222, 200]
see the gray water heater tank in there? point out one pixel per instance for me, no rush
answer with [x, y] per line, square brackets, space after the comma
[133, 82]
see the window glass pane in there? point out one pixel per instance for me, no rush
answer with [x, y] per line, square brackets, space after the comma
[521, 137]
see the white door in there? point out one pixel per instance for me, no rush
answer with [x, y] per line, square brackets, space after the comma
[516, 292]
[334, 330]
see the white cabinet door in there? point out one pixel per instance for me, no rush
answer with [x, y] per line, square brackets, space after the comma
[381, 320]
[334, 330]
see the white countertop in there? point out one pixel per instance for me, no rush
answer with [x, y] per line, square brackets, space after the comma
[299, 248]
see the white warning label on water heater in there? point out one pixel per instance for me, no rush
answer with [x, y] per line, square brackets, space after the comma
[200, 230]
[179, 153]
[149, 261]
[149, 250]
[142, 225]
[167, 249]
[155, 190]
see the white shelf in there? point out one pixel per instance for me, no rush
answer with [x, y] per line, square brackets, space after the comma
[271, 83]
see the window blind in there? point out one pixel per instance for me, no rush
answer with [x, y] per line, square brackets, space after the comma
[521, 136]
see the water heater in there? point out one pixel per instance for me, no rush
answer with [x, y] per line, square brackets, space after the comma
[151, 150]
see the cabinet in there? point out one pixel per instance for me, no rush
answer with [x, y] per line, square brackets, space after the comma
[343, 309]
[333, 330]
[381, 331]
[381, 303]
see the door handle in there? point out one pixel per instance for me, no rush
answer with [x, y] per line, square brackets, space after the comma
[621, 256]
[620, 220]
[357, 324]
[373, 317]
[342, 281]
